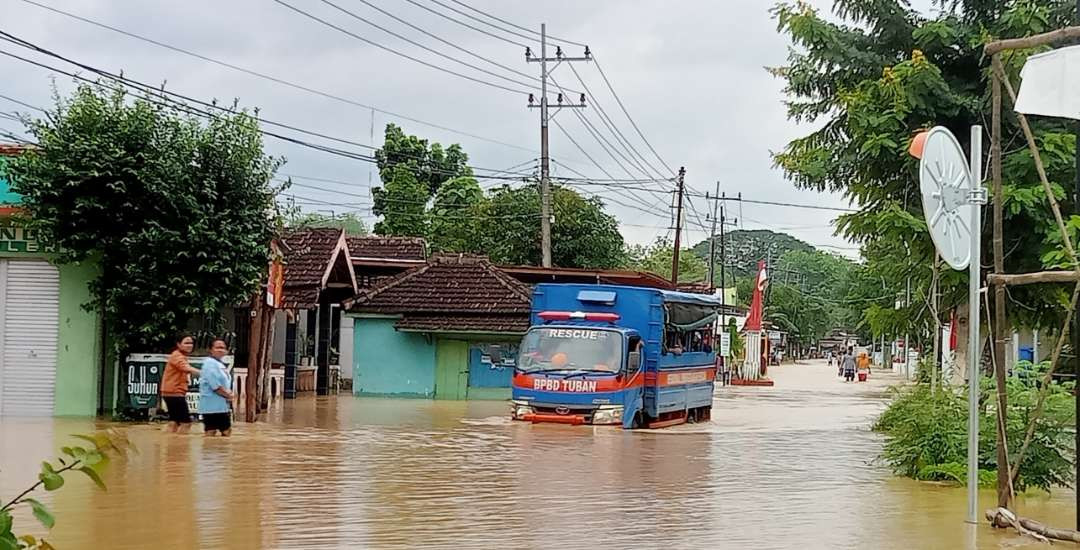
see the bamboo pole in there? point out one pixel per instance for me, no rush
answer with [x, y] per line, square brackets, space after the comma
[1061, 36]
[998, 329]
[1037, 277]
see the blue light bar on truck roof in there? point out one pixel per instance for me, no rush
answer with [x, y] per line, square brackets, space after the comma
[606, 297]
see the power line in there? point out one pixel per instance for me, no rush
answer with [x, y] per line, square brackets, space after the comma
[614, 129]
[395, 52]
[447, 42]
[161, 91]
[526, 29]
[628, 117]
[444, 16]
[773, 203]
[24, 104]
[599, 68]
[459, 12]
[434, 51]
[274, 79]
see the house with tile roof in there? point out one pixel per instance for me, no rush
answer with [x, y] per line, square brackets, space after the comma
[429, 331]
[377, 257]
[318, 276]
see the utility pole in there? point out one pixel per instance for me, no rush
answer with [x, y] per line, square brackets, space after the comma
[678, 228]
[545, 156]
[712, 242]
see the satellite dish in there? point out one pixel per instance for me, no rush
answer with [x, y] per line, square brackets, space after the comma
[946, 183]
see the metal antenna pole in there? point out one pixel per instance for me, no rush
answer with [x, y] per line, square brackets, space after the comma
[974, 356]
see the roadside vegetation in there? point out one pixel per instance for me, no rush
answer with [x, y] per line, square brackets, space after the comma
[925, 433]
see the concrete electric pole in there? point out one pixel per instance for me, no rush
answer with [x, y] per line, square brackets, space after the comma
[678, 228]
[545, 156]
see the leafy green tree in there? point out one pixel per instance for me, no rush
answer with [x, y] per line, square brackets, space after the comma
[869, 79]
[412, 170]
[352, 223]
[582, 235]
[658, 256]
[402, 202]
[454, 222]
[179, 214]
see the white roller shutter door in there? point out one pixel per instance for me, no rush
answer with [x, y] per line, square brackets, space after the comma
[29, 330]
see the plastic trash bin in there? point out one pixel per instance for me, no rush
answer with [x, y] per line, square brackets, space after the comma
[1027, 354]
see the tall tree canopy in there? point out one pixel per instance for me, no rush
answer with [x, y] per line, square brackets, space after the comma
[352, 223]
[412, 170]
[658, 257]
[430, 192]
[869, 82]
[179, 213]
[582, 235]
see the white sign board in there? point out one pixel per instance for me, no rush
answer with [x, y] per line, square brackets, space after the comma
[725, 344]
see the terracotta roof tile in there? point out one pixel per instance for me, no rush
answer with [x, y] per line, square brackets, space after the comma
[447, 284]
[10, 149]
[300, 297]
[308, 252]
[501, 323]
[393, 248]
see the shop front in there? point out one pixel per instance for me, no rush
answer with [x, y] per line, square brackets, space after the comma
[50, 346]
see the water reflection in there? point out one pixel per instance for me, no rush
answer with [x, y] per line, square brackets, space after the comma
[784, 467]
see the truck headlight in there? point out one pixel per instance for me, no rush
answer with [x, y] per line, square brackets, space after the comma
[518, 409]
[608, 415]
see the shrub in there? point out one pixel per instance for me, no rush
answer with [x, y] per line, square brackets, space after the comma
[926, 434]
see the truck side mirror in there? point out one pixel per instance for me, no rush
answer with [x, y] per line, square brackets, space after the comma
[633, 362]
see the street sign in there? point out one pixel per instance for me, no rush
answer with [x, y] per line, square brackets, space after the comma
[725, 344]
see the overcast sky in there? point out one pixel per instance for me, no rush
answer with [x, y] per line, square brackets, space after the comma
[691, 74]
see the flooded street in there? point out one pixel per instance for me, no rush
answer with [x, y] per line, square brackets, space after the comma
[784, 467]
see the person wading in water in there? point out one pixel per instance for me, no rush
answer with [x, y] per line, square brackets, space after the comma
[214, 391]
[849, 365]
[174, 385]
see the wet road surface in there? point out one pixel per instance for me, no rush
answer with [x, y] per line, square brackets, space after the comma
[785, 467]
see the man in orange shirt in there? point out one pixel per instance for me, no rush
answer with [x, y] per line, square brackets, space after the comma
[174, 385]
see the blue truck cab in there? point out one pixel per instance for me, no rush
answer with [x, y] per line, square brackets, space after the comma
[606, 354]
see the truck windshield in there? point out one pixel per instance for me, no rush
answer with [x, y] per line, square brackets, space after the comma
[570, 349]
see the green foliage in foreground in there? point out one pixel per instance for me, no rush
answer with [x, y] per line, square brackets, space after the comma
[926, 434]
[90, 461]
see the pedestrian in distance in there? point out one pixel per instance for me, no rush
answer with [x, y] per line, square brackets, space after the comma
[215, 392]
[849, 365]
[175, 382]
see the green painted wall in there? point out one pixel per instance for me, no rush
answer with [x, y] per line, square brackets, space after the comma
[79, 360]
[79, 355]
[391, 363]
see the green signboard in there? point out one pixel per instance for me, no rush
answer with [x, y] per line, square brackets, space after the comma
[143, 375]
[15, 238]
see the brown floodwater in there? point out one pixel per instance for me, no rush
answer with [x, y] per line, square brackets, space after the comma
[785, 467]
